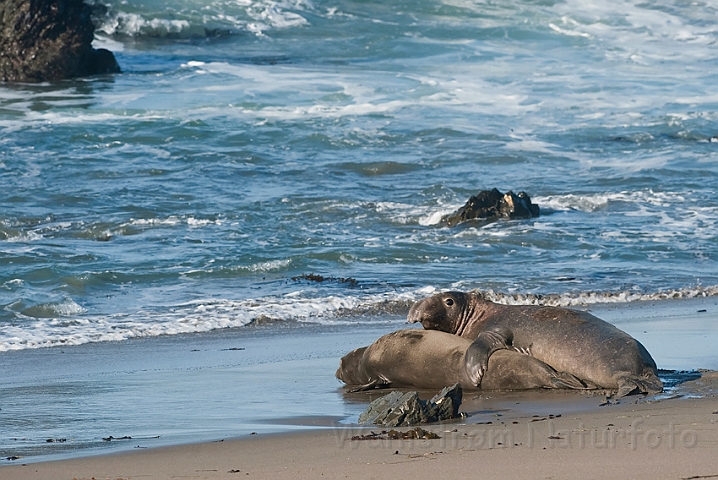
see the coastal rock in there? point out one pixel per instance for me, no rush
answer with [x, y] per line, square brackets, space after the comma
[399, 409]
[492, 204]
[49, 40]
[396, 409]
[446, 403]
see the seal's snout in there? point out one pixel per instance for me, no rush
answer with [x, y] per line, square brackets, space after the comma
[414, 315]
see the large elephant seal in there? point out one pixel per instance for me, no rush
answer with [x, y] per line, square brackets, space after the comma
[431, 359]
[570, 341]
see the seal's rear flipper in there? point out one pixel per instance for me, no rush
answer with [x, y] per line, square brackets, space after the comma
[566, 380]
[477, 355]
[634, 385]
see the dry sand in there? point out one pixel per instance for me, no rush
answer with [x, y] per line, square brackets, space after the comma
[669, 438]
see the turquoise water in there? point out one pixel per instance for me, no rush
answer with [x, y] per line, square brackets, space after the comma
[250, 142]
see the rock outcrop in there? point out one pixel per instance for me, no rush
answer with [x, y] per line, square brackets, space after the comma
[46, 40]
[399, 409]
[490, 205]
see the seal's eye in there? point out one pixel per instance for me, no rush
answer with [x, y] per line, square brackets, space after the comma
[449, 301]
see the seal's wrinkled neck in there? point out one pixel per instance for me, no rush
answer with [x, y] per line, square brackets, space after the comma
[473, 309]
[464, 315]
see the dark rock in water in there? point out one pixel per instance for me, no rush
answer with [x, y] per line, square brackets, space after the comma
[518, 206]
[311, 277]
[399, 409]
[46, 40]
[492, 204]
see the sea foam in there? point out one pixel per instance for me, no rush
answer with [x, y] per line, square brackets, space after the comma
[206, 315]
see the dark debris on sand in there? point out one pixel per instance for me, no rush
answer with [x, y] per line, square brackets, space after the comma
[417, 433]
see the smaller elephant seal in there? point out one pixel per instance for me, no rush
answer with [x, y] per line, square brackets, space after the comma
[430, 359]
[570, 341]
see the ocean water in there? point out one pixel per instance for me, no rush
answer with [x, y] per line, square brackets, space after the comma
[251, 147]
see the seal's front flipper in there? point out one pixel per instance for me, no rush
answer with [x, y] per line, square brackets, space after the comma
[477, 355]
[374, 384]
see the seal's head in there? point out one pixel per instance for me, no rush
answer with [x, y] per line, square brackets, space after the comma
[448, 312]
[350, 371]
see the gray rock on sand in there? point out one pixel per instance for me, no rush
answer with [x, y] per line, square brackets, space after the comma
[491, 205]
[398, 409]
[49, 40]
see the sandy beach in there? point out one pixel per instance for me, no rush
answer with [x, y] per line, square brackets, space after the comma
[241, 403]
[674, 438]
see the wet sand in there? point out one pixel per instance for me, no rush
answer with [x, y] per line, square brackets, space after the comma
[673, 438]
[194, 409]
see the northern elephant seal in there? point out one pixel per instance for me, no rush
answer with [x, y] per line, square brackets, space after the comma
[569, 340]
[431, 359]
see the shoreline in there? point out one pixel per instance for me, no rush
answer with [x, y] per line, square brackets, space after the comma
[228, 384]
[672, 438]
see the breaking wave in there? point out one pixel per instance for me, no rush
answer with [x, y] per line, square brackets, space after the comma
[205, 20]
[75, 327]
[581, 299]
